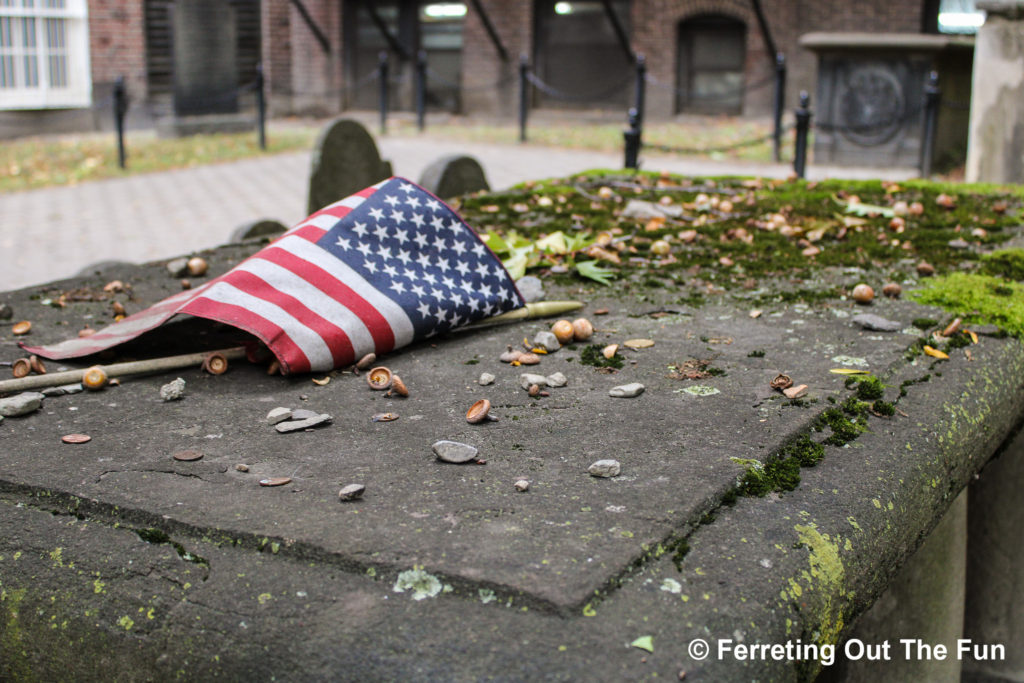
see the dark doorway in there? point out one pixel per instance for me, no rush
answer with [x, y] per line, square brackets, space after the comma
[579, 56]
[712, 51]
[402, 28]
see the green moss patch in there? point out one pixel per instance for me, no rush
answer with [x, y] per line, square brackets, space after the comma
[978, 298]
[1007, 263]
[592, 354]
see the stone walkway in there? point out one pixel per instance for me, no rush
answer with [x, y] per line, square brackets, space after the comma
[55, 232]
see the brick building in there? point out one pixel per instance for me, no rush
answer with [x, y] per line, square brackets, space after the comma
[59, 58]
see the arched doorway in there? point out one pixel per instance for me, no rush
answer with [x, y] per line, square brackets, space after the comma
[712, 49]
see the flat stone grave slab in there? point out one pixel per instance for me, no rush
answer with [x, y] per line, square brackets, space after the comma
[157, 565]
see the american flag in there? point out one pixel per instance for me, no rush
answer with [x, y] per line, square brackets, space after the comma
[380, 269]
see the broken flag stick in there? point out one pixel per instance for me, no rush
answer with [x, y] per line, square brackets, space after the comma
[537, 309]
[135, 367]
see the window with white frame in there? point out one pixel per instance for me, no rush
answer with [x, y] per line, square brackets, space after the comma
[44, 54]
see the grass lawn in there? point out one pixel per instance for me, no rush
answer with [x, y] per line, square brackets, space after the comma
[29, 163]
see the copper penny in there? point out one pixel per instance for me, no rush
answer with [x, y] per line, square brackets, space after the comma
[188, 456]
[275, 481]
[76, 438]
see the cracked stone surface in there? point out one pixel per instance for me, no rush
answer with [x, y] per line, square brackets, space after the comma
[139, 548]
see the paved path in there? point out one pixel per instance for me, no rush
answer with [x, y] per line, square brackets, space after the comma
[56, 232]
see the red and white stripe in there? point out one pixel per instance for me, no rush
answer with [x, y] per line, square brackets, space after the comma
[312, 310]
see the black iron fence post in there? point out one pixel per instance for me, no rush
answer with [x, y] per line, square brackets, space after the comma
[780, 95]
[803, 127]
[382, 79]
[524, 68]
[120, 109]
[261, 107]
[421, 90]
[641, 87]
[932, 98]
[632, 136]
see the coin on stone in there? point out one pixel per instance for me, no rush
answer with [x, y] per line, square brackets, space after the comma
[76, 438]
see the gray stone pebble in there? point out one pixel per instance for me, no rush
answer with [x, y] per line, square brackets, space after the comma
[870, 321]
[527, 378]
[178, 267]
[62, 390]
[556, 380]
[531, 288]
[605, 468]
[303, 414]
[21, 404]
[173, 391]
[453, 451]
[6, 312]
[547, 341]
[279, 414]
[626, 390]
[351, 492]
[299, 425]
[485, 379]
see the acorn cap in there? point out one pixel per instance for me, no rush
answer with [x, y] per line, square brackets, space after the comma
[379, 378]
[477, 412]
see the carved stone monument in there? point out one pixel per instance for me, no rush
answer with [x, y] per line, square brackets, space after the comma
[205, 57]
[345, 160]
[997, 103]
[451, 176]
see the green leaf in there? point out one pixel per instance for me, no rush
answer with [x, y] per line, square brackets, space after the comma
[644, 643]
[555, 243]
[867, 209]
[494, 241]
[516, 265]
[594, 271]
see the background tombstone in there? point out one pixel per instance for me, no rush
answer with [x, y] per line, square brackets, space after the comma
[451, 176]
[264, 227]
[345, 160]
[205, 61]
[997, 101]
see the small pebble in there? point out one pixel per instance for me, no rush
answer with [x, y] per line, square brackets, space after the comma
[795, 392]
[298, 425]
[605, 468]
[531, 288]
[173, 391]
[526, 380]
[556, 380]
[242, 467]
[303, 414]
[21, 404]
[351, 492]
[626, 390]
[178, 267]
[485, 379]
[6, 312]
[522, 485]
[62, 390]
[547, 341]
[453, 451]
[870, 321]
[279, 414]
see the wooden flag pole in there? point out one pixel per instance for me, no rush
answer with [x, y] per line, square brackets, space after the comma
[135, 367]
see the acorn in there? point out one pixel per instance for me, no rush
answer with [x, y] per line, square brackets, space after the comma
[863, 294]
[892, 290]
[379, 378]
[528, 359]
[925, 269]
[94, 378]
[582, 330]
[398, 387]
[37, 365]
[21, 328]
[197, 266]
[660, 248]
[86, 332]
[274, 368]
[781, 382]
[215, 363]
[562, 329]
[21, 368]
[118, 308]
[366, 361]
[478, 412]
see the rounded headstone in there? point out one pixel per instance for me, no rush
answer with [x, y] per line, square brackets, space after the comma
[345, 161]
[254, 229]
[451, 176]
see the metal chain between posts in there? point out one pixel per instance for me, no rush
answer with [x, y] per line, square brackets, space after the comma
[504, 80]
[552, 91]
[753, 87]
[751, 142]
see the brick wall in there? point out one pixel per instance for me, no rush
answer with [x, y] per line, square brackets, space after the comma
[482, 64]
[117, 46]
[276, 44]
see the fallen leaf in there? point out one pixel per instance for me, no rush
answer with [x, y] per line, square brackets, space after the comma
[638, 343]
[849, 371]
[322, 382]
[935, 353]
[973, 336]
[644, 643]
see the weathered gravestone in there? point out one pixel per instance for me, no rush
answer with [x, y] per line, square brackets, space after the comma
[345, 160]
[451, 176]
[259, 228]
[205, 60]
